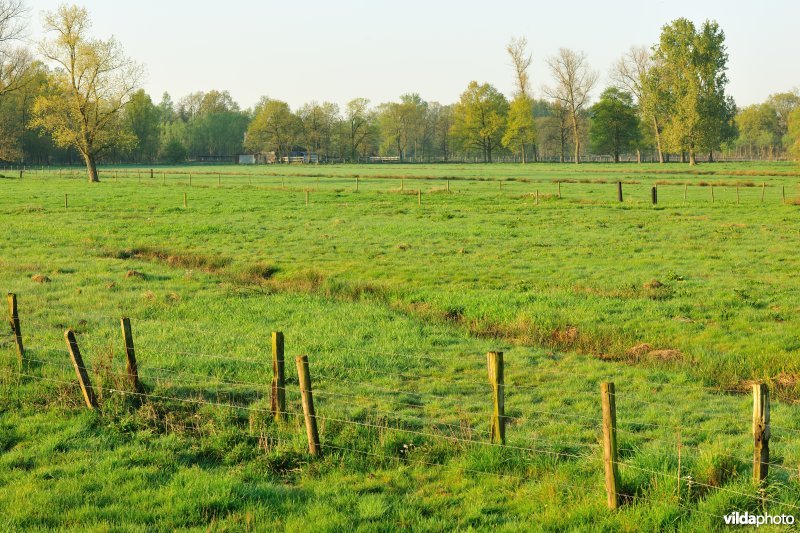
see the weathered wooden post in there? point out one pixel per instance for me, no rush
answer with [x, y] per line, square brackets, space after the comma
[13, 318]
[559, 190]
[131, 368]
[278, 396]
[151, 173]
[66, 201]
[619, 191]
[610, 443]
[497, 431]
[419, 196]
[712, 193]
[185, 205]
[356, 183]
[685, 187]
[310, 416]
[654, 194]
[763, 184]
[761, 432]
[80, 370]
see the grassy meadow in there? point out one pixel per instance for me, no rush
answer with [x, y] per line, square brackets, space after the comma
[396, 296]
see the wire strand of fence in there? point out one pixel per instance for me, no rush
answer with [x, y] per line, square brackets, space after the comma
[422, 463]
[396, 391]
[65, 366]
[706, 485]
[677, 503]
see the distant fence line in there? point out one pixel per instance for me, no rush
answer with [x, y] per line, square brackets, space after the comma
[645, 157]
[615, 186]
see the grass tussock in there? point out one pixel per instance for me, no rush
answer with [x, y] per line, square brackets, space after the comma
[186, 260]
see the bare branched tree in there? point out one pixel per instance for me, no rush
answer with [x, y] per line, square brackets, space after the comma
[574, 81]
[14, 59]
[521, 60]
[634, 72]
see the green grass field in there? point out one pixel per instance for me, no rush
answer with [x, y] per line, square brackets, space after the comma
[396, 298]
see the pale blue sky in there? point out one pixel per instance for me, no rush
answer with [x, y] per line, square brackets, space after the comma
[336, 51]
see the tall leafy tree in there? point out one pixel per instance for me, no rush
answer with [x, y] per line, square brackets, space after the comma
[480, 119]
[784, 104]
[214, 123]
[143, 119]
[440, 122]
[274, 129]
[89, 91]
[394, 128]
[759, 133]
[615, 123]
[638, 73]
[793, 134]
[693, 65]
[574, 80]
[318, 123]
[520, 129]
[360, 126]
[166, 109]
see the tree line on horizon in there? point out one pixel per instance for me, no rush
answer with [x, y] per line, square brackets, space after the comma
[77, 99]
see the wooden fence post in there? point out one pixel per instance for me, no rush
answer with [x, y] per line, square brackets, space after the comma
[497, 432]
[184, 201]
[559, 190]
[448, 185]
[190, 180]
[654, 195]
[278, 405]
[131, 368]
[712, 193]
[783, 193]
[610, 443]
[356, 183]
[80, 370]
[685, 188]
[619, 191]
[763, 184]
[537, 196]
[308, 405]
[760, 432]
[66, 201]
[419, 196]
[13, 318]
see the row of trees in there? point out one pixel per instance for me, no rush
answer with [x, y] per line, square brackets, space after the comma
[79, 98]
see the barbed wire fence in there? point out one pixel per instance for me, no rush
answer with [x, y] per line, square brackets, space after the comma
[327, 411]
